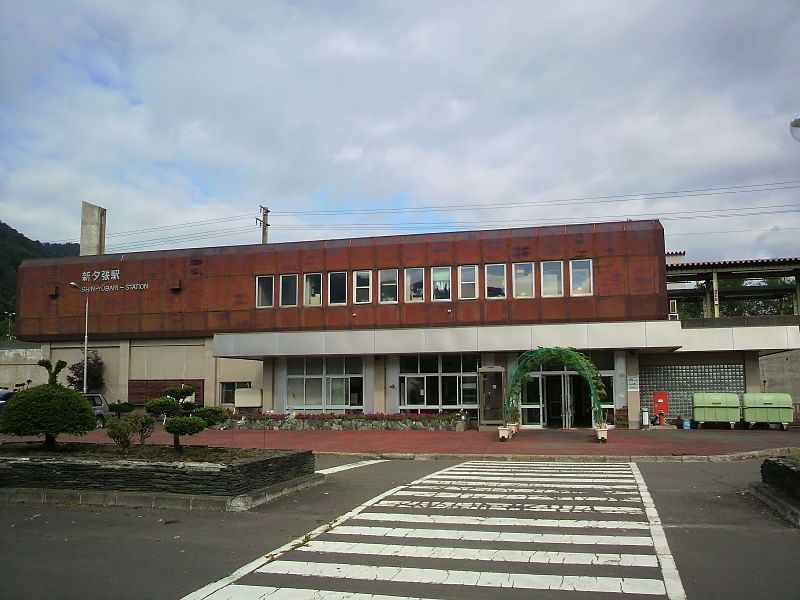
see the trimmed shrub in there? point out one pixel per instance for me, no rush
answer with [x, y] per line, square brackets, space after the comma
[121, 431]
[48, 410]
[179, 393]
[52, 372]
[212, 415]
[143, 426]
[188, 408]
[162, 406]
[179, 426]
[120, 408]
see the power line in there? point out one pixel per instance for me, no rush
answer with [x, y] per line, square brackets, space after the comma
[713, 191]
[567, 201]
[680, 215]
[166, 227]
[774, 229]
[659, 215]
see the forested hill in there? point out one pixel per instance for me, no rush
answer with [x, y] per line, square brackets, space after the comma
[14, 248]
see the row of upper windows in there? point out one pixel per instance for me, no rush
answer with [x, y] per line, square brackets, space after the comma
[523, 285]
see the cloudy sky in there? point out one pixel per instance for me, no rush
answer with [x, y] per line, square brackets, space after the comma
[400, 117]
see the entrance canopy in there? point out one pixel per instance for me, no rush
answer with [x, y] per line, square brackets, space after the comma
[572, 359]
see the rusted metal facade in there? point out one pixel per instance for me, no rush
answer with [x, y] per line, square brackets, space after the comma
[200, 292]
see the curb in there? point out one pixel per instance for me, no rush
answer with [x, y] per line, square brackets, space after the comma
[783, 505]
[172, 501]
[598, 458]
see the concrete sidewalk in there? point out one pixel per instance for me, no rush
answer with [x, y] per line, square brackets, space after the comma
[662, 444]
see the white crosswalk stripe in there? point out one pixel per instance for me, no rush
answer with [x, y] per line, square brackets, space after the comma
[478, 530]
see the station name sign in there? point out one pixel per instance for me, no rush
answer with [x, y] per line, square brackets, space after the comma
[109, 281]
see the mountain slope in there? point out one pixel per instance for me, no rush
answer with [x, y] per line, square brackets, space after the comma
[14, 248]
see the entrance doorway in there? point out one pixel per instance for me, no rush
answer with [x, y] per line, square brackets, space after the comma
[491, 381]
[557, 400]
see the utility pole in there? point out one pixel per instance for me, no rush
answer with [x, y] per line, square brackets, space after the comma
[264, 222]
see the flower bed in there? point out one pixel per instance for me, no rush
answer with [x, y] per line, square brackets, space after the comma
[339, 421]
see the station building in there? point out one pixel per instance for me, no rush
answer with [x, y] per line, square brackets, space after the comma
[410, 323]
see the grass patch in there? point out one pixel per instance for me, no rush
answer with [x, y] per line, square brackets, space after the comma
[152, 453]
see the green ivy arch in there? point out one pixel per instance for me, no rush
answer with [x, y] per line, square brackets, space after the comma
[571, 358]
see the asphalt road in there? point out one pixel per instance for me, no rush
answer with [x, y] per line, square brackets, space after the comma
[725, 544]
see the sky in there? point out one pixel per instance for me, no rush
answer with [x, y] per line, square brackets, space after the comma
[349, 119]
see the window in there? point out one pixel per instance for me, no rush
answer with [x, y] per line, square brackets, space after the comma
[468, 282]
[337, 288]
[227, 390]
[523, 280]
[288, 290]
[264, 291]
[440, 283]
[580, 277]
[387, 286]
[362, 287]
[312, 289]
[415, 285]
[552, 279]
[438, 382]
[330, 383]
[495, 281]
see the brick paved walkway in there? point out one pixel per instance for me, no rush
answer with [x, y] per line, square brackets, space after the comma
[575, 442]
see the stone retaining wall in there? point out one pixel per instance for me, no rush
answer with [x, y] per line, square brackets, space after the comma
[783, 474]
[133, 475]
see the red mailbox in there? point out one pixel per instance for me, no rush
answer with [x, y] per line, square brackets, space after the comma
[661, 405]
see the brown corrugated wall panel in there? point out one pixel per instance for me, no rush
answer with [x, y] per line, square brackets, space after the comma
[210, 290]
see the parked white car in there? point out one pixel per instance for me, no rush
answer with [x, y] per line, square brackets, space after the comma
[101, 409]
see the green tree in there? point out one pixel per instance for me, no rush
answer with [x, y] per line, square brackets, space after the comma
[95, 374]
[48, 410]
[179, 426]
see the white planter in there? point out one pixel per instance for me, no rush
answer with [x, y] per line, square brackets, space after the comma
[602, 435]
[504, 433]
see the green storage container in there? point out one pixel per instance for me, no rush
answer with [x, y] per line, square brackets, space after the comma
[715, 408]
[767, 408]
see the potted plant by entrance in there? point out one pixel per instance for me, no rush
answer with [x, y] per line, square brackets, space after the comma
[601, 427]
[510, 418]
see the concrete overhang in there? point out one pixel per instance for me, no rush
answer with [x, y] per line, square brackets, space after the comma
[646, 336]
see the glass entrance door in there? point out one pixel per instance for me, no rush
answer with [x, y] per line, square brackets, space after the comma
[567, 403]
[531, 405]
[492, 392]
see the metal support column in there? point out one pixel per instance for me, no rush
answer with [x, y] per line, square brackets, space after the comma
[715, 285]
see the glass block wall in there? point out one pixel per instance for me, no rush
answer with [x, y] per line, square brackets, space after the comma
[681, 381]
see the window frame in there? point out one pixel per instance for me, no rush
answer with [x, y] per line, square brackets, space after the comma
[449, 281]
[407, 289]
[325, 377]
[356, 286]
[541, 275]
[476, 283]
[591, 277]
[296, 290]
[486, 281]
[272, 304]
[321, 291]
[436, 377]
[514, 280]
[247, 385]
[330, 287]
[396, 286]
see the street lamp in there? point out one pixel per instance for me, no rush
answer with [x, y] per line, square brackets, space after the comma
[9, 318]
[85, 333]
[794, 128]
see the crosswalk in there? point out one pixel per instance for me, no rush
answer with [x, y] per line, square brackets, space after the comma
[481, 529]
